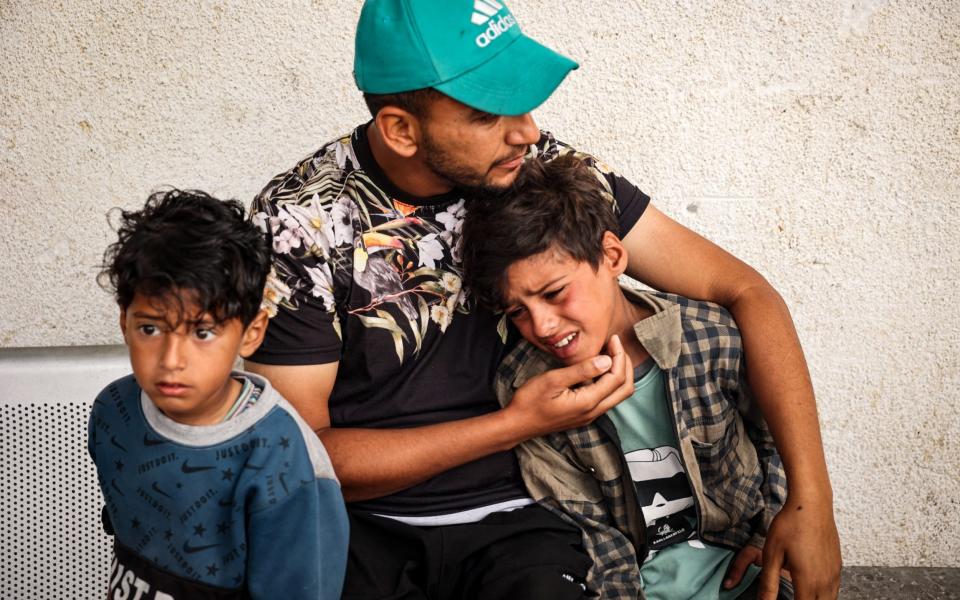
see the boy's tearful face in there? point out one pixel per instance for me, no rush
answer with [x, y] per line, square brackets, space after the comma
[182, 358]
[561, 305]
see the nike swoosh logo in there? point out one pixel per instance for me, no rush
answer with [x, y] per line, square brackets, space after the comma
[148, 441]
[254, 467]
[191, 549]
[281, 477]
[113, 484]
[225, 502]
[157, 489]
[188, 469]
[113, 440]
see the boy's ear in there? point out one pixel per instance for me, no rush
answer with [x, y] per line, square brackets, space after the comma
[614, 254]
[399, 129]
[123, 324]
[253, 334]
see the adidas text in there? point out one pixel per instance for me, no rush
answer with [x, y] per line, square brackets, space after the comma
[494, 29]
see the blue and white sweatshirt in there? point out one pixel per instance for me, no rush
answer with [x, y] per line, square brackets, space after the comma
[248, 508]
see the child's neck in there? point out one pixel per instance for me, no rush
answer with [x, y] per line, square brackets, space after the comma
[626, 314]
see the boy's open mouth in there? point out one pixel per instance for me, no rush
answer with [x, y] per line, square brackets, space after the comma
[565, 340]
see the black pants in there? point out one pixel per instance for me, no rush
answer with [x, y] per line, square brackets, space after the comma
[527, 553]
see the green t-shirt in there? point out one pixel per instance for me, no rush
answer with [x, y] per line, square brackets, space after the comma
[679, 565]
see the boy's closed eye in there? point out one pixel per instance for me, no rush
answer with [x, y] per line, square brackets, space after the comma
[554, 294]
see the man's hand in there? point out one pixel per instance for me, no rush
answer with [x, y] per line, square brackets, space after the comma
[549, 402]
[748, 555]
[802, 539]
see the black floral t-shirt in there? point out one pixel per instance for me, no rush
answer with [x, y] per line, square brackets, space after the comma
[369, 276]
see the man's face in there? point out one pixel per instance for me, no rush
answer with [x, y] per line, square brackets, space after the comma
[563, 306]
[182, 358]
[474, 150]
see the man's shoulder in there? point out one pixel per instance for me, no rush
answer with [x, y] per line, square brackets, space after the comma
[321, 172]
[548, 147]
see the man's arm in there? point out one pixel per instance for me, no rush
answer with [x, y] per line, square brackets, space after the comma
[670, 257]
[375, 462]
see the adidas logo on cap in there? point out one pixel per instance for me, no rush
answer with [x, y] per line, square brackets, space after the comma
[483, 13]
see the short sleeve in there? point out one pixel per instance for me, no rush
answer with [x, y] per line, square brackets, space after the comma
[631, 202]
[311, 239]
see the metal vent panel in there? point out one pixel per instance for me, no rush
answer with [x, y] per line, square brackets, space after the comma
[52, 544]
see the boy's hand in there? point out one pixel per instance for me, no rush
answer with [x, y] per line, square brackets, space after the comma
[748, 555]
[802, 539]
[547, 403]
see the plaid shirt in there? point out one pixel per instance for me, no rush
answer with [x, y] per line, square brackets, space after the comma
[734, 470]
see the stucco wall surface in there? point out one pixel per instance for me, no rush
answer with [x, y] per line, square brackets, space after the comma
[819, 141]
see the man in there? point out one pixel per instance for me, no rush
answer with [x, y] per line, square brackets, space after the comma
[378, 347]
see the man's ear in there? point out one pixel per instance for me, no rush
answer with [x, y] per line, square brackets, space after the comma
[253, 334]
[614, 254]
[399, 130]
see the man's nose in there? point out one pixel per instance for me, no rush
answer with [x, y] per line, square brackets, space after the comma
[522, 130]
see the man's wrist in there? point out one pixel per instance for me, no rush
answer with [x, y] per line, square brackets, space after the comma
[508, 428]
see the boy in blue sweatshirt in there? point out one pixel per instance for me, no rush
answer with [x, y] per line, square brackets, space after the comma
[214, 487]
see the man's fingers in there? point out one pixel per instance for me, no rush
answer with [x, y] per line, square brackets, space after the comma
[749, 555]
[614, 386]
[737, 569]
[582, 372]
[615, 346]
[770, 572]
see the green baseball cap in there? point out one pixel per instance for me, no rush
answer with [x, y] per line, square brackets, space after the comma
[471, 50]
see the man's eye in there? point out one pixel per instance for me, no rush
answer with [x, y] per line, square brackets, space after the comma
[485, 117]
[149, 329]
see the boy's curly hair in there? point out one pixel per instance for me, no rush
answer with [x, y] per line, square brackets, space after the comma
[557, 204]
[193, 246]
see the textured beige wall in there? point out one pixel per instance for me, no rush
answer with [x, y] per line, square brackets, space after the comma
[819, 140]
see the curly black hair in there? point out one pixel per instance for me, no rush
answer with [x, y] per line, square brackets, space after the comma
[558, 204]
[190, 245]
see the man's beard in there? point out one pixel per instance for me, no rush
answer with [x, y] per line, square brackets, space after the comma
[469, 183]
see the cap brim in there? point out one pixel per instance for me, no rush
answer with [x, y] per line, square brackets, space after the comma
[514, 82]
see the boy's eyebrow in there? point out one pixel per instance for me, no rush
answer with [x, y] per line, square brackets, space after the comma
[205, 319]
[145, 315]
[509, 300]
